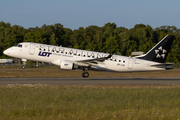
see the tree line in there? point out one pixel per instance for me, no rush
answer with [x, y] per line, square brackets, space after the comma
[102, 39]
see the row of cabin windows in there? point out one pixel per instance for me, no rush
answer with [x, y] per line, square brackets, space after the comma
[80, 55]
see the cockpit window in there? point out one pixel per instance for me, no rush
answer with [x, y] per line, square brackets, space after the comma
[18, 45]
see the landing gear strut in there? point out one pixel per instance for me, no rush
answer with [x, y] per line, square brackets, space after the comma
[85, 74]
[24, 63]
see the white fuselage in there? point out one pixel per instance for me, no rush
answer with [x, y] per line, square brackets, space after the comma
[56, 54]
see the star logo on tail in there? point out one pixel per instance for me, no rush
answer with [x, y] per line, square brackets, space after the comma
[160, 52]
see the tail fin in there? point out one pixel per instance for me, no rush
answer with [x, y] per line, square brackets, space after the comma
[160, 51]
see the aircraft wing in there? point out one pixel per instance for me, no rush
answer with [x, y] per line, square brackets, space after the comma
[91, 62]
[102, 59]
[86, 62]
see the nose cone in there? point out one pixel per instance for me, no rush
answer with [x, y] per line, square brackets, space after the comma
[6, 52]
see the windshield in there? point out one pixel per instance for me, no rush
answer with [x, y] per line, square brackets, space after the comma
[18, 45]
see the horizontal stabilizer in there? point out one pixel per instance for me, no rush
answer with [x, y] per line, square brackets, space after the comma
[164, 65]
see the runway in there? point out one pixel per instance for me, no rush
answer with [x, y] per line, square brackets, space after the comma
[92, 81]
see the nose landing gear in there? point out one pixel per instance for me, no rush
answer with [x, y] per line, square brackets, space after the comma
[85, 74]
[24, 63]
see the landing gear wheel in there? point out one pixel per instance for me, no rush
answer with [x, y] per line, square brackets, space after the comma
[85, 74]
[24, 64]
[23, 67]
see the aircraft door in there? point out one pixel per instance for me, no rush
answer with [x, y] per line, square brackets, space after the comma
[130, 62]
[32, 49]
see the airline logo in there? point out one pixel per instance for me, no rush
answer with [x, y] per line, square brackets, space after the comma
[44, 54]
[160, 52]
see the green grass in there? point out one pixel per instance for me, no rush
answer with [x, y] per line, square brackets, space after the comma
[19, 102]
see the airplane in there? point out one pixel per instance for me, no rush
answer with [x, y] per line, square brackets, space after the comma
[70, 58]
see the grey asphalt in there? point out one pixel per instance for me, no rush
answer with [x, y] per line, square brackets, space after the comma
[92, 81]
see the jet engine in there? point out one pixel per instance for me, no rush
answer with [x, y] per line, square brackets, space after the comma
[66, 65]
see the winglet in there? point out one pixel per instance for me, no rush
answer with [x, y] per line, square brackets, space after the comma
[110, 55]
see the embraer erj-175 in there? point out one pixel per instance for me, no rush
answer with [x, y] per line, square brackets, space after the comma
[70, 58]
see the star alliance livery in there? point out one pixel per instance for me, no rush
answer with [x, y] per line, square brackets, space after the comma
[70, 58]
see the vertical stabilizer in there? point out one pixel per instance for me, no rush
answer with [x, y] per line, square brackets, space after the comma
[160, 51]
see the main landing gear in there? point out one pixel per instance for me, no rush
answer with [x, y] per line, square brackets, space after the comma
[85, 74]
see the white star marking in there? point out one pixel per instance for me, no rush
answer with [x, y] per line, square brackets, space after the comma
[160, 54]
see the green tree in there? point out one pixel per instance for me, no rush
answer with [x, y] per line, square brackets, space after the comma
[111, 44]
[53, 39]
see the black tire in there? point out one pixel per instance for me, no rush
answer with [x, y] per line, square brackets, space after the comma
[85, 74]
[23, 67]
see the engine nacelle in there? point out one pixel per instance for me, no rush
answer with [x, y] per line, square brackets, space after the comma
[66, 65]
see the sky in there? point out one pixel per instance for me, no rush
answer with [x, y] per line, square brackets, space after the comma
[83, 13]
